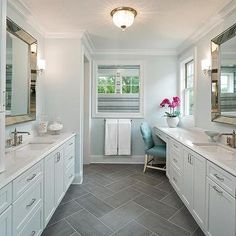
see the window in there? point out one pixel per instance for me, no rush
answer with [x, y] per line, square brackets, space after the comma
[188, 91]
[227, 82]
[118, 91]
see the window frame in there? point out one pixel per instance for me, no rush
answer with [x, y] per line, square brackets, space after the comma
[230, 76]
[95, 113]
[183, 89]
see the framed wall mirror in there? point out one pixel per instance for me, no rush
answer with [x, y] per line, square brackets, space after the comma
[21, 74]
[223, 77]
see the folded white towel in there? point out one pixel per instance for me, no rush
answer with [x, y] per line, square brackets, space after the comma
[111, 137]
[124, 137]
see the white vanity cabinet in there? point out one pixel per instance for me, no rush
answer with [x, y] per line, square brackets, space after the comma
[220, 205]
[193, 184]
[53, 182]
[59, 172]
[6, 222]
[188, 177]
[6, 210]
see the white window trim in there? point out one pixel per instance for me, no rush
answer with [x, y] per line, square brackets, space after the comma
[183, 89]
[95, 112]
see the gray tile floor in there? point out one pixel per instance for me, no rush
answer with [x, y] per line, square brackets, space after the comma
[120, 200]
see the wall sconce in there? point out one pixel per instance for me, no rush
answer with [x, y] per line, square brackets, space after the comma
[41, 65]
[206, 68]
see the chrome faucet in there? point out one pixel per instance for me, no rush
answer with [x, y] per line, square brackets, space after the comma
[18, 139]
[230, 140]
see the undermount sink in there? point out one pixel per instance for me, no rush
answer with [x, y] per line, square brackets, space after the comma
[34, 146]
[218, 150]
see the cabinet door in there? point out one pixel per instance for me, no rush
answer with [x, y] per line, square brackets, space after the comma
[199, 188]
[221, 211]
[6, 222]
[49, 202]
[187, 189]
[59, 176]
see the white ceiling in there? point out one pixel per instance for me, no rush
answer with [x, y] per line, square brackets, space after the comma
[160, 24]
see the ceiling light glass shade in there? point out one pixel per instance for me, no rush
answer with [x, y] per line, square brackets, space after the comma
[123, 17]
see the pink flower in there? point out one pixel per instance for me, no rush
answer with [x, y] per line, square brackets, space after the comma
[165, 101]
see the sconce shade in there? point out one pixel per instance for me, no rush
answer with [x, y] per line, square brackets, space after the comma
[206, 67]
[41, 64]
[123, 17]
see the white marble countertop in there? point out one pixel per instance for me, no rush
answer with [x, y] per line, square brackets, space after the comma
[24, 156]
[225, 158]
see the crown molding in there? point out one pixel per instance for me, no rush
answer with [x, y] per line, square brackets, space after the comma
[21, 9]
[210, 24]
[140, 52]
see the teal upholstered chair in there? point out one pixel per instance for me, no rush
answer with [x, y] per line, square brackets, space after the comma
[153, 152]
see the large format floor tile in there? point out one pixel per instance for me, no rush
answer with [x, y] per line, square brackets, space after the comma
[184, 220]
[133, 229]
[73, 192]
[119, 200]
[62, 228]
[65, 210]
[121, 184]
[122, 197]
[160, 226]
[173, 200]
[155, 206]
[88, 225]
[94, 205]
[120, 216]
[149, 190]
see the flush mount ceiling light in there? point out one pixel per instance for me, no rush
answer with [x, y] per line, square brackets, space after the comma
[123, 17]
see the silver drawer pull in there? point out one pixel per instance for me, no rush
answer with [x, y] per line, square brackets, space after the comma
[175, 160]
[31, 203]
[31, 178]
[70, 176]
[71, 157]
[33, 233]
[71, 144]
[219, 178]
[176, 146]
[217, 190]
[175, 180]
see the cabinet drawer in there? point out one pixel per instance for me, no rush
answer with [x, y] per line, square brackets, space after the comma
[69, 158]
[222, 178]
[175, 179]
[176, 155]
[69, 176]
[25, 180]
[161, 135]
[34, 226]
[25, 206]
[5, 197]
[70, 145]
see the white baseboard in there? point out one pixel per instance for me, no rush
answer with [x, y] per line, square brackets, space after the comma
[136, 159]
[78, 179]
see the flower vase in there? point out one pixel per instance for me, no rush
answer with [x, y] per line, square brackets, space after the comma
[172, 121]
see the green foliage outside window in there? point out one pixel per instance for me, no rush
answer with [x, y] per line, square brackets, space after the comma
[107, 85]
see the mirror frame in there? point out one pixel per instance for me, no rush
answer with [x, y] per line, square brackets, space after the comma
[29, 39]
[215, 75]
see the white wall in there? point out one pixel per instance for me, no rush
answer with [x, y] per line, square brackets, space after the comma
[63, 84]
[160, 81]
[203, 85]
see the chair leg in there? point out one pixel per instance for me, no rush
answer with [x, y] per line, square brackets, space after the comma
[145, 163]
